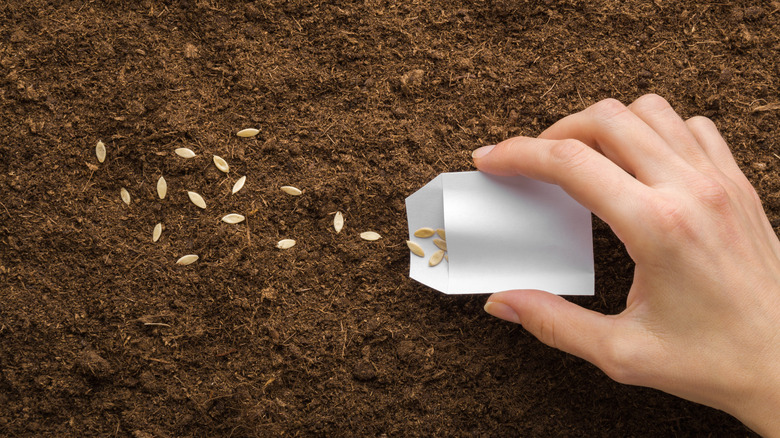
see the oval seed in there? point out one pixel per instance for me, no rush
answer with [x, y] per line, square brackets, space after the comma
[125, 195]
[162, 187]
[184, 153]
[290, 190]
[197, 199]
[440, 232]
[187, 260]
[285, 244]
[100, 151]
[239, 184]
[441, 244]
[221, 164]
[156, 232]
[370, 235]
[248, 132]
[424, 232]
[415, 248]
[233, 218]
[436, 258]
[338, 222]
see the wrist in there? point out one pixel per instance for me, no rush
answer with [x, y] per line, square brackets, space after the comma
[757, 408]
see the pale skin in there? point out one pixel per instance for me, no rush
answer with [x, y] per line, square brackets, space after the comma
[702, 317]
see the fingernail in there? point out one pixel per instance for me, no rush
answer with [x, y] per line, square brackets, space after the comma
[501, 310]
[481, 152]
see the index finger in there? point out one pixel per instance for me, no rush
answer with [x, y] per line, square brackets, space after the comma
[590, 178]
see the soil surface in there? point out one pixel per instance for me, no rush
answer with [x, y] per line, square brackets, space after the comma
[358, 104]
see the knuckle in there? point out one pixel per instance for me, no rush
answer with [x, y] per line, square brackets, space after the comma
[568, 154]
[701, 122]
[652, 102]
[546, 331]
[669, 215]
[711, 193]
[608, 109]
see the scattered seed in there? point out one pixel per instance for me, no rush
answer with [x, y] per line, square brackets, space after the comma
[290, 190]
[370, 235]
[424, 232]
[249, 132]
[156, 232]
[125, 195]
[415, 248]
[446, 258]
[441, 244]
[239, 184]
[187, 260]
[436, 258]
[338, 222]
[233, 218]
[100, 151]
[440, 232]
[184, 153]
[197, 199]
[285, 244]
[162, 187]
[221, 164]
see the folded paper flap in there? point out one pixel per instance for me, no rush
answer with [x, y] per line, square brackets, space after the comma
[503, 233]
[427, 206]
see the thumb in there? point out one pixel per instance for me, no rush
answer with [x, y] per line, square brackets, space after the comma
[556, 322]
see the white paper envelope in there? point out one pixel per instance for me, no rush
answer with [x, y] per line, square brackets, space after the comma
[502, 233]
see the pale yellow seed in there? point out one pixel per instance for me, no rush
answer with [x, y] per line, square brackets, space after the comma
[441, 244]
[239, 184]
[446, 258]
[187, 260]
[338, 222]
[156, 232]
[440, 232]
[285, 244]
[221, 164]
[249, 132]
[370, 235]
[100, 151]
[233, 218]
[415, 248]
[424, 232]
[125, 195]
[290, 190]
[197, 199]
[436, 258]
[184, 153]
[162, 187]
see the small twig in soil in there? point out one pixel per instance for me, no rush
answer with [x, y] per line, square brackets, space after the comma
[270, 381]
[223, 354]
[550, 89]
[88, 180]
[6, 209]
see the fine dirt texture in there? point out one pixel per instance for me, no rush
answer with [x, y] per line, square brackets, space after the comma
[358, 104]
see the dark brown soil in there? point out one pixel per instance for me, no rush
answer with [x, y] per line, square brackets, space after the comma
[102, 334]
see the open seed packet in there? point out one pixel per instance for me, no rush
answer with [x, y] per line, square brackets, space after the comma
[502, 233]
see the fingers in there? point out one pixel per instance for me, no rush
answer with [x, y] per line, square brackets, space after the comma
[557, 322]
[623, 137]
[656, 112]
[711, 142]
[586, 175]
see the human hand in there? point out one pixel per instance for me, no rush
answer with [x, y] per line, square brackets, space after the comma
[702, 319]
